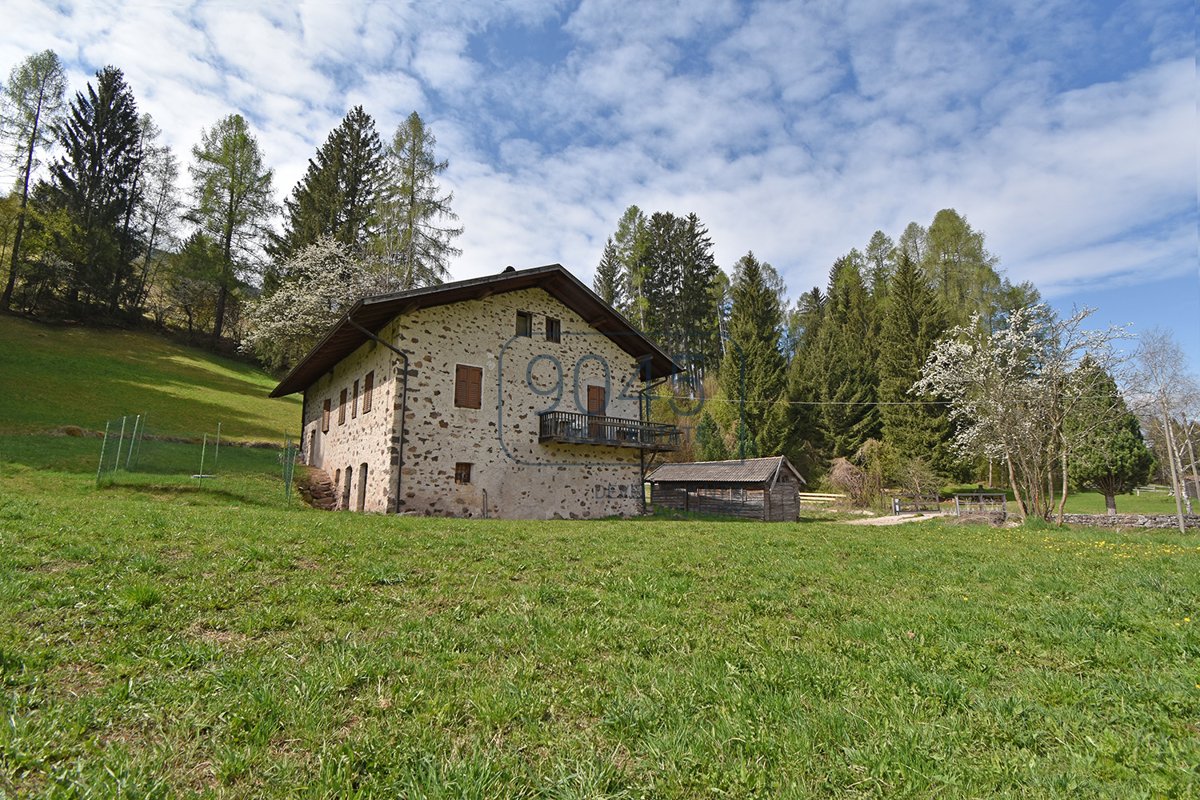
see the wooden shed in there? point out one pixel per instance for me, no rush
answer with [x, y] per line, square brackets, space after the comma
[754, 488]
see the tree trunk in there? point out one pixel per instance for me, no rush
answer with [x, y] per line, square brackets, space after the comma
[1176, 484]
[1062, 498]
[1012, 480]
[6, 298]
[1110, 504]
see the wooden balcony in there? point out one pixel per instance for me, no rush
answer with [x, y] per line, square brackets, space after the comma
[570, 428]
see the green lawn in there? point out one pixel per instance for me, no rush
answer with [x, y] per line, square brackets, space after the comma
[59, 376]
[167, 636]
[160, 637]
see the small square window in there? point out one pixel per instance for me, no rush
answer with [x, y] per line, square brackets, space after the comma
[553, 330]
[524, 323]
[462, 472]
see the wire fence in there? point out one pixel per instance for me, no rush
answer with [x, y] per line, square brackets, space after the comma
[132, 452]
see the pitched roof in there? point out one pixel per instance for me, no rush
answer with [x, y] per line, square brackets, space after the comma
[750, 470]
[372, 313]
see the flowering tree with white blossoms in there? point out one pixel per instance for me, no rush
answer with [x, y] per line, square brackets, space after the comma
[319, 284]
[1011, 390]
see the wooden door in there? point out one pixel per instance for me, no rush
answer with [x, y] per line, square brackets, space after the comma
[596, 402]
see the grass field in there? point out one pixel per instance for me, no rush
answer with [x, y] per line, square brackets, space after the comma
[57, 376]
[162, 636]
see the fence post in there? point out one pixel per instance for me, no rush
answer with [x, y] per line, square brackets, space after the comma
[120, 441]
[103, 444]
[132, 440]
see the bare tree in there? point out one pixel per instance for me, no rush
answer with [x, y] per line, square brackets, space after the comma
[1165, 387]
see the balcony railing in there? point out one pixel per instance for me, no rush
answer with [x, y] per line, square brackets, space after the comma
[571, 428]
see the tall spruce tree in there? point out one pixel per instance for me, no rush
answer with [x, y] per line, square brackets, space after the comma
[29, 107]
[916, 426]
[753, 373]
[607, 281]
[416, 229]
[94, 183]
[337, 196]
[847, 349]
[1110, 454]
[806, 447]
[232, 200]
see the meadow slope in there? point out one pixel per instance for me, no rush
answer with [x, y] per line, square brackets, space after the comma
[166, 636]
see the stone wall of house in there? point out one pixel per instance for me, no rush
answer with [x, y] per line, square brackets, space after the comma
[1163, 521]
[361, 437]
[512, 474]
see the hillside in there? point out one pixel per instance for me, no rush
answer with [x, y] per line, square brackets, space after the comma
[58, 376]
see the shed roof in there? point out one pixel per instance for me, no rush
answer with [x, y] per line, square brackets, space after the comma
[739, 471]
[372, 313]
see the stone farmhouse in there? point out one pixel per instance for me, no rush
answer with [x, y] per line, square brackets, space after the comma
[520, 395]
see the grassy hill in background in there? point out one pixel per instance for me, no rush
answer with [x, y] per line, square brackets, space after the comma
[52, 377]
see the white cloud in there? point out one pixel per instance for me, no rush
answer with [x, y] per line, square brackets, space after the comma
[1066, 133]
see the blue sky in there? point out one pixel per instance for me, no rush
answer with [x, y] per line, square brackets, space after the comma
[1065, 131]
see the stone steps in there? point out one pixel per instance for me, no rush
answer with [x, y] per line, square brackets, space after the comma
[316, 488]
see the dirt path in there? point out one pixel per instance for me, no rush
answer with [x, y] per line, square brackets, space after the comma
[897, 519]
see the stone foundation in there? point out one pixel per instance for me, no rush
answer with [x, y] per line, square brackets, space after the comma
[1163, 521]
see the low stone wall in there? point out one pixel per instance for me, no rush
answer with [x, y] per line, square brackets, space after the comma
[1132, 520]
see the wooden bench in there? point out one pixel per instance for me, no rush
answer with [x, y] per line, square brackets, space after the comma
[819, 497]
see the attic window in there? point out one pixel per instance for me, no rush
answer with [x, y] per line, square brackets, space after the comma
[524, 323]
[553, 330]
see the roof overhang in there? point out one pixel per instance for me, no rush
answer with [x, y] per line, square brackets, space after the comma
[371, 314]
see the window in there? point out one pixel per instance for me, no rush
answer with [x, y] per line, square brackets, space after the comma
[325, 417]
[354, 402]
[342, 409]
[368, 390]
[524, 323]
[462, 472]
[553, 330]
[468, 386]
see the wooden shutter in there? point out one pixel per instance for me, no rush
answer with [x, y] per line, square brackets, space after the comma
[342, 409]
[368, 390]
[325, 416]
[468, 386]
[596, 400]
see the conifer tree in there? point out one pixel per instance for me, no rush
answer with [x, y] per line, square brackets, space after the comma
[31, 103]
[628, 242]
[806, 446]
[915, 426]
[710, 442]
[753, 373]
[607, 282]
[879, 265]
[416, 222]
[337, 196]
[847, 348]
[233, 198]
[1109, 454]
[94, 183]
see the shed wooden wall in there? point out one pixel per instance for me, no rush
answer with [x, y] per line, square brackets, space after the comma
[776, 505]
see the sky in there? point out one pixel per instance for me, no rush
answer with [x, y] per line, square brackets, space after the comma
[1065, 131]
